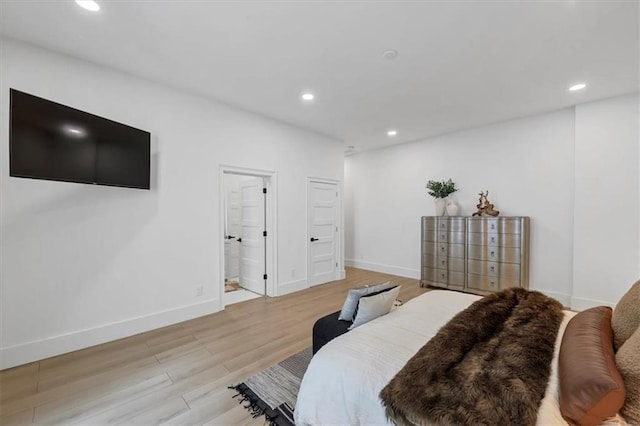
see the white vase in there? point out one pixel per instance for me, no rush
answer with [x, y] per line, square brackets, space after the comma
[441, 205]
[453, 209]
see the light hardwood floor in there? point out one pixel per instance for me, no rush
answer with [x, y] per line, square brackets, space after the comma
[177, 374]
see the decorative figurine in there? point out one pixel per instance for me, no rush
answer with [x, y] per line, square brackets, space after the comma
[485, 207]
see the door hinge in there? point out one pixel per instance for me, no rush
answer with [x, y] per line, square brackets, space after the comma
[264, 276]
[264, 190]
[264, 233]
[336, 264]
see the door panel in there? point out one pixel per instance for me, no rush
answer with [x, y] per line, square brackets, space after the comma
[323, 229]
[252, 226]
[232, 226]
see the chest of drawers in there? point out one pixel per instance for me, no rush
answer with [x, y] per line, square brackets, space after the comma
[475, 254]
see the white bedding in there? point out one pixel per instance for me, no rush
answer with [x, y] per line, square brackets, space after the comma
[344, 378]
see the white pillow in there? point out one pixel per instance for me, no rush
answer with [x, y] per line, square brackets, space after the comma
[351, 303]
[372, 307]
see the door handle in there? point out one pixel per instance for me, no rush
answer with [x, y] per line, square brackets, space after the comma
[314, 239]
[239, 240]
[230, 237]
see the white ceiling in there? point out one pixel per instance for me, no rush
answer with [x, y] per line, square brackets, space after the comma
[460, 63]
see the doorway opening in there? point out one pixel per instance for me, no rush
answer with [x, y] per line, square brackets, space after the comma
[247, 234]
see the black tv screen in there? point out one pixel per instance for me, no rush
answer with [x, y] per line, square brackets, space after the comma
[55, 142]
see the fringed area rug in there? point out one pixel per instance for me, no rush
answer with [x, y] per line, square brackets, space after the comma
[273, 392]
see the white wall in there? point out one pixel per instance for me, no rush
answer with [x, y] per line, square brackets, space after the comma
[527, 166]
[607, 210]
[83, 264]
[531, 167]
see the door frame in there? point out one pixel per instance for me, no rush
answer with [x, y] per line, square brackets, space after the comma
[271, 183]
[340, 272]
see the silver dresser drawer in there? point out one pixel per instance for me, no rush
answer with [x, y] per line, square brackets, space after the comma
[446, 249]
[456, 264]
[499, 225]
[493, 239]
[456, 278]
[493, 254]
[507, 271]
[453, 224]
[485, 283]
[429, 235]
[430, 223]
[457, 224]
[451, 237]
[450, 263]
[456, 250]
[428, 273]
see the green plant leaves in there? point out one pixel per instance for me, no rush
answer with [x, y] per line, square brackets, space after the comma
[441, 189]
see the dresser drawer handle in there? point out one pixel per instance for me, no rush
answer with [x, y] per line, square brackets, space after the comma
[443, 262]
[493, 239]
[493, 268]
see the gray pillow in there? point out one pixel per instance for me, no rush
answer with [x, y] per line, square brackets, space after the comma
[371, 307]
[354, 295]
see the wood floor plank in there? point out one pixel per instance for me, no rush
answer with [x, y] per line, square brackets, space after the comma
[177, 374]
[188, 344]
[22, 370]
[20, 418]
[130, 409]
[18, 387]
[207, 409]
[236, 416]
[163, 413]
[84, 406]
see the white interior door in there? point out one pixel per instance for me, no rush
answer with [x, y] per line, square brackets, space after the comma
[252, 244]
[323, 232]
[232, 228]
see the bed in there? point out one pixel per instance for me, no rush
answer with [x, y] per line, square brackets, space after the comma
[344, 379]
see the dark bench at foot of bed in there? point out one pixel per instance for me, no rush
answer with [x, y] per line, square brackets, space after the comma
[328, 328]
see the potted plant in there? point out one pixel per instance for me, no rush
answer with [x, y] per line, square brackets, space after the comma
[440, 191]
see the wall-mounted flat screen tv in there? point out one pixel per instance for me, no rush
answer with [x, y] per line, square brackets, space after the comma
[55, 142]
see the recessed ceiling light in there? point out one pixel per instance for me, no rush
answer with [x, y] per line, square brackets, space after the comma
[576, 87]
[89, 5]
[392, 132]
[308, 96]
[74, 131]
[390, 54]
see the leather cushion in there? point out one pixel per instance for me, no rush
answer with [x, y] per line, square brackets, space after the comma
[626, 316]
[628, 362]
[591, 387]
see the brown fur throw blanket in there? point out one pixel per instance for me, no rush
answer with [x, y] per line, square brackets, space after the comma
[489, 365]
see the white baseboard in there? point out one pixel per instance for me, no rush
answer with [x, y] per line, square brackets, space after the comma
[563, 298]
[387, 269]
[342, 275]
[582, 303]
[292, 286]
[56, 345]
